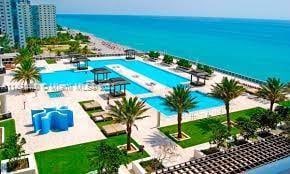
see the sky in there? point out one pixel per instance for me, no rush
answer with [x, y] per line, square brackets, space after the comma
[261, 9]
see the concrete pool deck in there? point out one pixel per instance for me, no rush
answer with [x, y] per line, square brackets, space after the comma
[85, 130]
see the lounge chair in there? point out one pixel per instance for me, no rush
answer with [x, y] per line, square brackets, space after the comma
[113, 129]
[99, 116]
[91, 105]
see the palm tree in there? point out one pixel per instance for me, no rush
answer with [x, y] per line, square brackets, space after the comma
[23, 54]
[180, 100]
[227, 90]
[85, 50]
[127, 111]
[26, 72]
[274, 91]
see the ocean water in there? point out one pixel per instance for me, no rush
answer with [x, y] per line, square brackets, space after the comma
[256, 48]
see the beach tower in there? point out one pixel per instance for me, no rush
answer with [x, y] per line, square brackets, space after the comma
[3, 88]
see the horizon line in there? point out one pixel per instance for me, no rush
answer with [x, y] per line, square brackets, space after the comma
[219, 17]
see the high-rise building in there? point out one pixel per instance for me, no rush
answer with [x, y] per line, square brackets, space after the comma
[20, 20]
[44, 20]
[6, 22]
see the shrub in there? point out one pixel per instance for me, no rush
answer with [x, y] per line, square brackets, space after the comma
[265, 119]
[219, 134]
[247, 127]
[153, 54]
[13, 150]
[107, 158]
[168, 59]
[205, 68]
[184, 63]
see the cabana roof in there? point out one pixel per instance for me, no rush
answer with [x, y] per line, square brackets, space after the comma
[118, 81]
[82, 59]
[198, 73]
[100, 71]
[130, 50]
[236, 160]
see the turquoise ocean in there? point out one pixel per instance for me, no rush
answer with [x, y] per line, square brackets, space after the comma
[256, 48]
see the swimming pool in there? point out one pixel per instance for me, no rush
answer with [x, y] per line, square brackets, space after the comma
[71, 77]
[203, 102]
[278, 167]
[161, 76]
[55, 94]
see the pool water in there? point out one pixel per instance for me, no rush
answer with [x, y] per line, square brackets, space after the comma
[203, 102]
[71, 77]
[161, 76]
[279, 167]
[56, 94]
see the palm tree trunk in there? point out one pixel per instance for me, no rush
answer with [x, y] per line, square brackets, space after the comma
[129, 130]
[228, 116]
[28, 85]
[179, 119]
[271, 105]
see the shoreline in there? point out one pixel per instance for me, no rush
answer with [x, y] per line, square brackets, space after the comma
[97, 40]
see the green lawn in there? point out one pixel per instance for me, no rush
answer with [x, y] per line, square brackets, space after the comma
[9, 129]
[199, 130]
[74, 159]
[285, 103]
[50, 61]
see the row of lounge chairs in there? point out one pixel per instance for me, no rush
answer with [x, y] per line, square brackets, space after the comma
[99, 115]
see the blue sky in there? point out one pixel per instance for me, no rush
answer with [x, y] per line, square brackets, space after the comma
[265, 9]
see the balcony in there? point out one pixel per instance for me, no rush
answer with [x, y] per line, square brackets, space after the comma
[3, 89]
[2, 70]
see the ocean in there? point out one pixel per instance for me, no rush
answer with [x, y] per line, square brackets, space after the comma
[252, 47]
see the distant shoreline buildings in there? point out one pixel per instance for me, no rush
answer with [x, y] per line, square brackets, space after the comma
[21, 20]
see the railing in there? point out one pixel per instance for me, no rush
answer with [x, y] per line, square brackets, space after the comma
[244, 77]
[3, 89]
[2, 71]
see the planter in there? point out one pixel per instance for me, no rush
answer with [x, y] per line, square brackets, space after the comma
[124, 147]
[264, 134]
[149, 167]
[211, 150]
[29, 168]
[137, 168]
[2, 134]
[184, 136]
[183, 69]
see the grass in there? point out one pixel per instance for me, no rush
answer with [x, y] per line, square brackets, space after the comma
[50, 61]
[285, 103]
[9, 130]
[199, 130]
[74, 159]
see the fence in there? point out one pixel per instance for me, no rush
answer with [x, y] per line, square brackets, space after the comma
[244, 77]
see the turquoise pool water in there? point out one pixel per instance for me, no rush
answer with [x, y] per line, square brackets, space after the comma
[70, 77]
[56, 94]
[156, 74]
[204, 102]
[279, 167]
